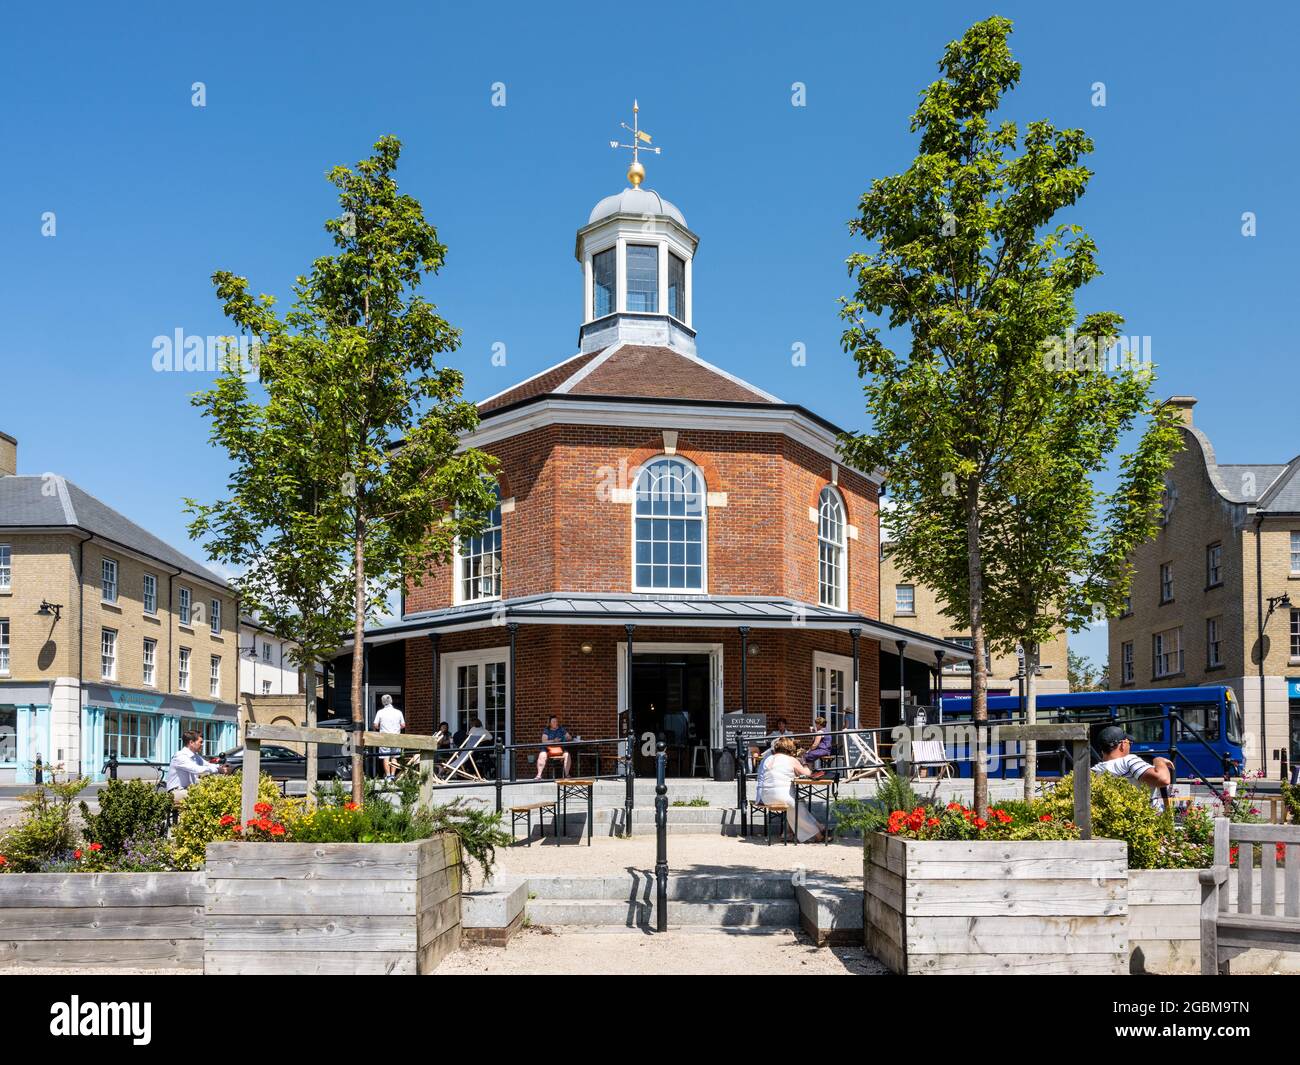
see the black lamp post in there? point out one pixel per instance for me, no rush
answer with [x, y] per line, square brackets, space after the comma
[47, 608]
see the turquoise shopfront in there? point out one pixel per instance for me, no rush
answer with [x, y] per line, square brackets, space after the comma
[144, 729]
[24, 739]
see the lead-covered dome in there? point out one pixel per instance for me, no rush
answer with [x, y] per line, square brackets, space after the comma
[636, 202]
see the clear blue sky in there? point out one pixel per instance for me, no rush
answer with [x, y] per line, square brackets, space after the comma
[151, 194]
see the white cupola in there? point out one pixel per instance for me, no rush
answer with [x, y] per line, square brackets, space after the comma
[636, 253]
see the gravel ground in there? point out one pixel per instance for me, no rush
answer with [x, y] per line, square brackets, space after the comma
[693, 854]
[628, 952]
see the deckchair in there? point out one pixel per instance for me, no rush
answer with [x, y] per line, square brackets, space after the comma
[461, 765]
[860, 758]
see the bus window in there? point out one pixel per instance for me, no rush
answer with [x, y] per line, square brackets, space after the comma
[1235, 731]
[1146, 724]
[1204, 717]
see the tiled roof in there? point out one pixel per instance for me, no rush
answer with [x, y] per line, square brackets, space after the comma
[51, 501]
[631, 371]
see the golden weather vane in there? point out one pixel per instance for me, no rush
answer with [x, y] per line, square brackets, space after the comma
[640, 143]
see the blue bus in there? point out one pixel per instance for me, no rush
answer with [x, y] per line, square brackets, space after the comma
[1199, 729]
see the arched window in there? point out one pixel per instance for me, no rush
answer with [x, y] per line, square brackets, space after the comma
[668, 527]
[478, 559]
[830, 549]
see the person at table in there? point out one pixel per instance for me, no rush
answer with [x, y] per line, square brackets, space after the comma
[554, 733]
[777, 787]
[821, 747]
[443, 736]
[782, 731]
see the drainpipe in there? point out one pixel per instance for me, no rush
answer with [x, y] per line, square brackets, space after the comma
[1259, 627]
[902, 715]
[81, 653]
[744, 673]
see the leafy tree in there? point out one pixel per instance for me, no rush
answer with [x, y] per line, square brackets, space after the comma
[1085, 675]
[966, 417]
[350, 474]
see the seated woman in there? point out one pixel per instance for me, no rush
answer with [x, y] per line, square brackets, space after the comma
[777, 786]
[821, 747]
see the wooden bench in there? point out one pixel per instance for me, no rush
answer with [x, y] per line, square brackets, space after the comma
[767, 809]
[525, 813]
[1225, 933]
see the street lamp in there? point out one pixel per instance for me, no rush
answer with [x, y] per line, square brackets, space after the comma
[47, 608]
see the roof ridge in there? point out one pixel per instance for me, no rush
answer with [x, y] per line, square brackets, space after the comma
[1274, 489]
[531, 377]
[586, 368]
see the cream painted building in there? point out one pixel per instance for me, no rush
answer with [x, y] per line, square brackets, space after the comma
[110, 640]
[913, 605]
[1223, 567]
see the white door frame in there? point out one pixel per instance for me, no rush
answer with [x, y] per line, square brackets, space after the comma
[843, 663]
[713, 650]
[374, 692]
[450, 661]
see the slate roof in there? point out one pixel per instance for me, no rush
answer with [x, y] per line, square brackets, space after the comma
[52, 501]
[631, 371]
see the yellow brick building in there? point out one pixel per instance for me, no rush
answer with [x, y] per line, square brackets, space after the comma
[1228, 549]
[110, 640]
[911, 605]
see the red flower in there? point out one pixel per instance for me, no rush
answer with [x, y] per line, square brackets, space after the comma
[96, 846]
[77, 854]
[277, 830]
[1045, 817]
[934, 821]
[955, 806]
[235, 828]
[351, 806]
[3, 860]
[262, 808]
[979, 822]
[228, 819]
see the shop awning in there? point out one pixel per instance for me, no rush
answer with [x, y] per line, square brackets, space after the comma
[683, 611]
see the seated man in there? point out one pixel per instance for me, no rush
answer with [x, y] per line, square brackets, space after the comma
[554, 733]
[187, 765]
[1118, 760]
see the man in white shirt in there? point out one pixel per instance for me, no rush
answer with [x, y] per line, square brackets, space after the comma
[1118, 760]
[187, 765]
[389, 719]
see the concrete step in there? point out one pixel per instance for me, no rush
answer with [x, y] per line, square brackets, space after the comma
[641, 886]
[717, 913]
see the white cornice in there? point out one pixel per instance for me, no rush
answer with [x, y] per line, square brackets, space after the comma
[658, 415]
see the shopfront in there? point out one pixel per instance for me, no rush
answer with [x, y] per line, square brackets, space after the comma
[143, 729]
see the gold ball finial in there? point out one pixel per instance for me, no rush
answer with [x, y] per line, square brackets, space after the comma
[636, 175]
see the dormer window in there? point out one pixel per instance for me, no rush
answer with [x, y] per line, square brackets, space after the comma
[643, 278]
[677, 287]
[604, 282]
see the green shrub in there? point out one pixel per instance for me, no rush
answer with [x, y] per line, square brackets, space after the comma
[210, 799]
[697, 801]
[861, 816]
[1120, 810]
[46, 832]
[896, 793]
[1291, 797]
[128, 809]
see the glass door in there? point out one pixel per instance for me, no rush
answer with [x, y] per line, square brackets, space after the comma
[479, 688]
[832, 679]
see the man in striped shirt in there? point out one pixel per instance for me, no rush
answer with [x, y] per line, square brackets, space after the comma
[1118, 760]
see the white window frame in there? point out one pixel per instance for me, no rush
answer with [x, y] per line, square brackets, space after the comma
[1166, 581]
[1295, 552]
[824, 660]
[183, 669]
[149, 593]
[147, 726]
[459, 559]
[1126, 662]
[4, 647]
[149, 662]
[1162, 657]
[831, 496]
[214, 676]
[266, 687]
[703, 519]
[6, 567]
[185, 610]
[266, 652]
[108, 572]
[1214, 565]
[1295, 634]
[450, 663]
[898, 609]
[1213, 643]
[108, 654]
[214, 617]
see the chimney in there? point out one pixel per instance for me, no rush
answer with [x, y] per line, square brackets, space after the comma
[1183, 405]
[8, 455]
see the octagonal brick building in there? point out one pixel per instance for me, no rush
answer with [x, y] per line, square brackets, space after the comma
[667, 535]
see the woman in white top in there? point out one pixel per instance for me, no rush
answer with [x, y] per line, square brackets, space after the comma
[776, 785]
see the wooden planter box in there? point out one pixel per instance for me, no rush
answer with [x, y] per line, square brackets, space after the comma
[124, 920]
[332, 908]
[1165, 926]
[989, 907]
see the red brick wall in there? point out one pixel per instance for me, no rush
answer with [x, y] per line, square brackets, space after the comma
[567, 534]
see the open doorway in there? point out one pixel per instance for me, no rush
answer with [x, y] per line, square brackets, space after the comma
[671, 698]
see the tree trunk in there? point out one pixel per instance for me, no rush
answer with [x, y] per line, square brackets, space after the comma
[358, 657]
[979, 675]
[1030, 668]
[313, 775]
